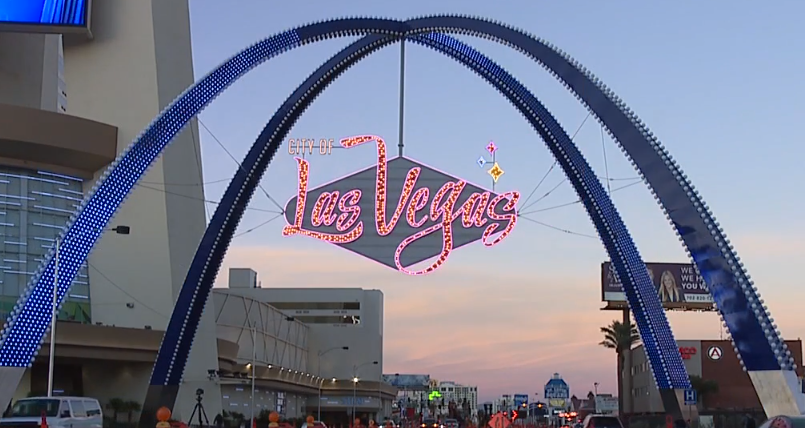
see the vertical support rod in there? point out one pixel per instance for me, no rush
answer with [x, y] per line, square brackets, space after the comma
[402, 99]
[53, 317]
[321, 382]
[254, 368]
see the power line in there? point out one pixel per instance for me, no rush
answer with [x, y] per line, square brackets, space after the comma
[222, 180]
[558, 229]
[203, 200]
[606, 164]
[556, 161]
[145, 305]
[578, 201]
[258, 226]
[238, 163]
[122, 290]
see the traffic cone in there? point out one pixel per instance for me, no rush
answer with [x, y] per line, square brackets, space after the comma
[44, 423]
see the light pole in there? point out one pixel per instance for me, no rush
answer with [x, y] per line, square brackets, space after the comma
[120, 230]
[355, 380]
[253, 369]
[595, 388]
[321, 381]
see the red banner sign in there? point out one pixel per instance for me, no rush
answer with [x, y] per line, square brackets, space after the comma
[687, 352]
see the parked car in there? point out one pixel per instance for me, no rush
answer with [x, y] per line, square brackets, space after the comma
[785, 422]
[601, 421]
[59, 412]
[429, 423]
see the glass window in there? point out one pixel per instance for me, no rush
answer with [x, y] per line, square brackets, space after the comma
[92, 407]
[78, 409]
[34, 207]
[64, 410]
[29, 408]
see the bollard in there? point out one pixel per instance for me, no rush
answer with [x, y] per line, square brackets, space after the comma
[163, 415]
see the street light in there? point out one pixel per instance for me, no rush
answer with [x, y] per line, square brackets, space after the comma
[355, 381]
[321, 381]
[120, 230]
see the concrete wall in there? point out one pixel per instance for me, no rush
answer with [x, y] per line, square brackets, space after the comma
[256, 326]
[139, 61]
[237, 398]
[365, 340]
[29, 70]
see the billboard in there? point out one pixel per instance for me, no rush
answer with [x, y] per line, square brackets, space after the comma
[45, 16]
[557, 392]
[679, 286]
[408, 381]
[399, 212]
[520, 400]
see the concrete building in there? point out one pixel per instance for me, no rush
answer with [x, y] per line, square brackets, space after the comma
[333, 319]
[68, 105]
[458, 393]
[712, 361]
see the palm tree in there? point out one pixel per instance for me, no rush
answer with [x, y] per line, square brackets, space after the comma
[621, 337]
[117, 406]
[130, 407]
[703, 387]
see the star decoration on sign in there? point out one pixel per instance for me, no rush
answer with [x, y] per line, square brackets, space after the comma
[496, 172]
[481, 162]
[491, 148]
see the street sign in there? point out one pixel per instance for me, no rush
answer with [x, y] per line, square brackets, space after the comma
[690, 397]
[715, 353]
[499, 421]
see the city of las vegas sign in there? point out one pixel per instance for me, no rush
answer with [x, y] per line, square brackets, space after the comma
[431, 213]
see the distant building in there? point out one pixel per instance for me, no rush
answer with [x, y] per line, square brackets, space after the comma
[457, 393]
[711, 360]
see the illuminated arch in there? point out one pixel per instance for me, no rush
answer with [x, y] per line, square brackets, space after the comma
[755, 336]
[651, 321]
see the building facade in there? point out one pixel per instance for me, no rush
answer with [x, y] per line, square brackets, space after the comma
[459, 394]
[714, 362]
[343, 330]
[68, 105]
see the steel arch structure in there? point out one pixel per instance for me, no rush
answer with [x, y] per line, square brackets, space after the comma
[670, 372]
[755, 336]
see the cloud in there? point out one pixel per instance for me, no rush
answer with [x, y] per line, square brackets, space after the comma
[504, 330]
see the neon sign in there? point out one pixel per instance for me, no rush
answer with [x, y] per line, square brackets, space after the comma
[440, 212]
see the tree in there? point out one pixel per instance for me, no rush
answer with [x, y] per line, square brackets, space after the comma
[703, 387]
[117, 406]
[621, 337]
[130, 407]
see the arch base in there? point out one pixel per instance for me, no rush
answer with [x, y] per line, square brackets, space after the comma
[779, 392]
[673, 401]
[10, 378]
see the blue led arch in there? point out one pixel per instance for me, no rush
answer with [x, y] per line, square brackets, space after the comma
[754, 334]
[176, 346]
[169, 366]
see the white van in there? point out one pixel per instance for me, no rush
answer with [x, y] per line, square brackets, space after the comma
[61, 412]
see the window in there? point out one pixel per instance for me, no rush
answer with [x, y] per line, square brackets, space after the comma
[346, 319]
[34, 408]
[92, 407]
[78, 409]
[317, 306]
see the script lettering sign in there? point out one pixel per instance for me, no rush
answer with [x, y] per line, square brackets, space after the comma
[399, 212]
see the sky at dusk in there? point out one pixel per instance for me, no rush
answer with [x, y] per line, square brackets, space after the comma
[718, 82]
